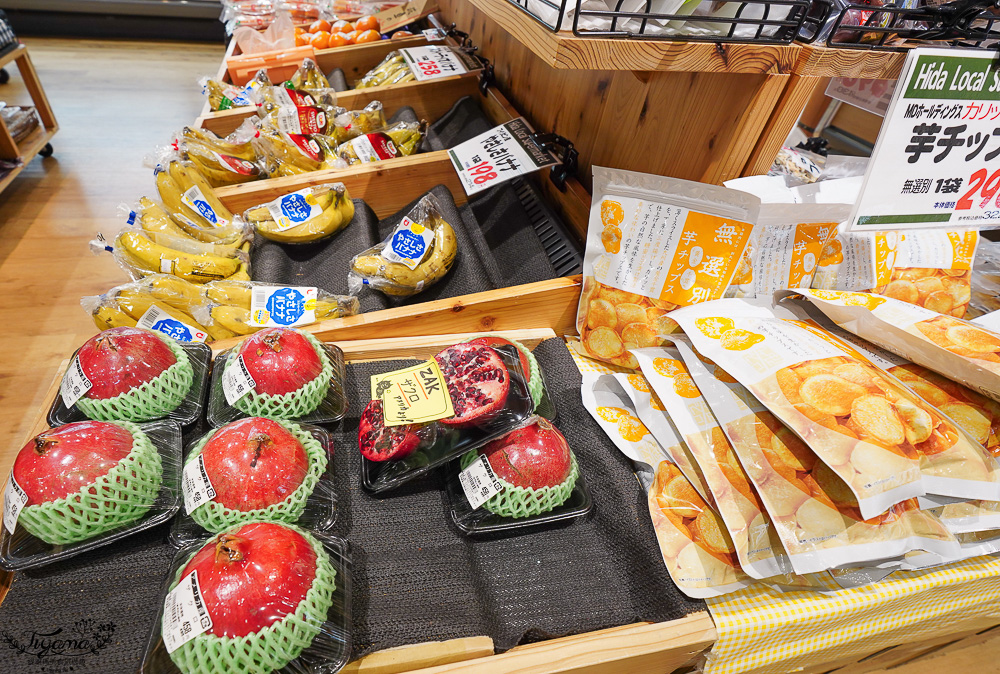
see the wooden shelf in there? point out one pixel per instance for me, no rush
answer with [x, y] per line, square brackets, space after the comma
[30, 146]
[872, 64]
[39, 137]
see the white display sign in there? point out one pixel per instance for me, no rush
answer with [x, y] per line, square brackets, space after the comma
[499, 155]
[433, 61]
[937, 159]
[871, 95]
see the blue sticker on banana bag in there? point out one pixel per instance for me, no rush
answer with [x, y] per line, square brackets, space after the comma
[409, 243]
[282, 306]
[294, 209]
[196, 201]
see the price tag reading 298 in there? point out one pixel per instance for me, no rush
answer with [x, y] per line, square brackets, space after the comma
[982, 187]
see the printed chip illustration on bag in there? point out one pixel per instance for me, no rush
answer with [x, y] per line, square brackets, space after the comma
[654, 244]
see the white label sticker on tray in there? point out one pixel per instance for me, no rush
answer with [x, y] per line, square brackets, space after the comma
[293, 209]
[158, 320]
[282, 306]
[184, 614]
[428, 63]
[236, 381]
[479, 482]
[196, 486]
[409, 243]
[196, 201]
[74, 384]
[14, 499]
[498, 155]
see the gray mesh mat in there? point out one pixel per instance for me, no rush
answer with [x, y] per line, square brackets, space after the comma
[415, 578]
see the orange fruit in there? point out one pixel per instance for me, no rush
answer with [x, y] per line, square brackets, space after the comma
[715, 326]
[350, 37]
[400, 34]
[684, 386]
[611, 213]
[303, 39]
[320, 40]
[366, 23]
[342, 27]
[299, 30]
[368, 36]
[740, 340]
[611, 414]
[669, 367]
[338, 40]
[631, 428]
[320, 25]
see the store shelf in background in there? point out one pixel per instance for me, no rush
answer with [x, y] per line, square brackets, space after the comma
[38, 139]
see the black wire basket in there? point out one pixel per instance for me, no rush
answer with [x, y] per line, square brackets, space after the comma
[752, 21]
[897, 26]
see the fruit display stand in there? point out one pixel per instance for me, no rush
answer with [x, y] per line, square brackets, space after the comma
[38, 141]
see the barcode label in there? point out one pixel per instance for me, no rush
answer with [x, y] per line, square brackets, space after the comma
[479, 482]
[236, 381]
[196, 486]
[74, 384]
[14, 499]
[184, 614]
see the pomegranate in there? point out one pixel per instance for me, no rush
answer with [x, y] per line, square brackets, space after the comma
[379, 442]
[254, 463]
[478, 382]
[534, 456]
[280, 360]
[252, 576]
[121, 359]
[500, 341]
[63, 460]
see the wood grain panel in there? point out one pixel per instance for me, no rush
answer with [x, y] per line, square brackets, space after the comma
[783, 118]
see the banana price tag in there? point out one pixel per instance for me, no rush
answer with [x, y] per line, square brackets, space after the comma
[195, 485]
[237, 381]
[185, 615]
[14, 500]
[431, 62]
[409, 243]
[479, 482]
[195, 200]
[499, 155]
[294, 209]
[282, 306]
[74, 384]
[415, 395]
[157, 320]
[301, 119]
[374, 147]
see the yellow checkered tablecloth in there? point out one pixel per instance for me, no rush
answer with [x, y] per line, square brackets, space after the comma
[764, 630]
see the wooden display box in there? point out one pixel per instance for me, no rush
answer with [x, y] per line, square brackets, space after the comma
[39, 138]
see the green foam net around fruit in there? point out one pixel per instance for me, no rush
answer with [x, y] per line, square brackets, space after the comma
[216, 517]
[534, 372]
[121, 496]
[289, 405]
[272, 647]
[152, 400]
[520, 502]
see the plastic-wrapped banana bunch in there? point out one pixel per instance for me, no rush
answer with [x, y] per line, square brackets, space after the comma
[223, 96]
[189, 199]
[308, 215]
[309, 76]
[417, 254]
[392, 70]
[300, 119]
[158, 302]
[398, 140]
[243, 307]
[141, 253]
[221, 161]
[292, 154]
[352, 123]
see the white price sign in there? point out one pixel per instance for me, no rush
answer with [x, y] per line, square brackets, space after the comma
[499, 155]
[74, 384]
[479, 482]
[431, 62]
[184, 614]
[937, 159]
[195, 485]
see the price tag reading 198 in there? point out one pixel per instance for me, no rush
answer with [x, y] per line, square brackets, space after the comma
[483, 172]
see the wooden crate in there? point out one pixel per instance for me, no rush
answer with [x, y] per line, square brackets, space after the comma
[35, 141]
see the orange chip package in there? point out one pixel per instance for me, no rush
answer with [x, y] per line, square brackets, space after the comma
[654, 244]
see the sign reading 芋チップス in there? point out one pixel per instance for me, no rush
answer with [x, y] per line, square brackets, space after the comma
[937, 159]
[498, 155]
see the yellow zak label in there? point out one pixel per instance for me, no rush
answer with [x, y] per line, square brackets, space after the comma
[414, 395]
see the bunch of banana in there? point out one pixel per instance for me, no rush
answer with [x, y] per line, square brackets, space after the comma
[394, 278]
[222, 96]
[392, 70]
[132, 304]
[405, 137]
[179, 178]
[154, 220]
[141, 252]
[288, 158]
[353, 123]
[337, 212]
[309, 76]
[242, 150]
[107, 314]
[239, 294]
[219, 161]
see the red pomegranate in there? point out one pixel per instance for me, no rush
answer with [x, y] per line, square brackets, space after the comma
[379, 442]
[500, 341]
[534, 456]
[280, 360]
[63, 460]
[478, 382]
[253, 576]
[121, 359]
[254, 463]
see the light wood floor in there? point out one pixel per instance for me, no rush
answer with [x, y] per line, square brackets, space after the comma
[115, 102]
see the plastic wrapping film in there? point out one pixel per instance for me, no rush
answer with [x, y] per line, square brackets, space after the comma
[399, 140]
[307, 215]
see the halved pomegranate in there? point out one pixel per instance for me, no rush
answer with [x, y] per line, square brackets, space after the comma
[500, 341]
[534, 456]
[379, 442]
[478, 382]
[121, 359]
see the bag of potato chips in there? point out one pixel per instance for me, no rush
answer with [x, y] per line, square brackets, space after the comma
[814, 512]
[697, 551]
[653, 244]
[849, 413]
[962, 351]
[757, 545]
[785, 246]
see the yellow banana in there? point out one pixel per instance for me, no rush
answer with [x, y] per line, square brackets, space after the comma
[170, 194]
[196, 267]
[229, 292]
[235, 319]
[135, 304]
[174, 291]
[403, 281]
[220, 145]
[338, 211]
[153, 219]
[187, 177]
[110, 315]
[326, 309]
